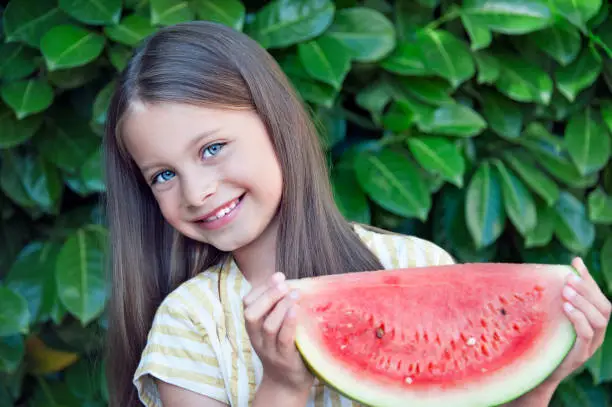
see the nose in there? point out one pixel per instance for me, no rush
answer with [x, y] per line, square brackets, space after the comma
[197, 188]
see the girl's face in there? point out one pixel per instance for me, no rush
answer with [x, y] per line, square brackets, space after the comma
[213, 172]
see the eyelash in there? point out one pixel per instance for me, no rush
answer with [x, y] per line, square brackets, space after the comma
[207, 148]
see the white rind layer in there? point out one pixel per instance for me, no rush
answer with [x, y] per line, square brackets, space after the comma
[493, 389]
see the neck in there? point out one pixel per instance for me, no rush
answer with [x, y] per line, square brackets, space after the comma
[257, 260]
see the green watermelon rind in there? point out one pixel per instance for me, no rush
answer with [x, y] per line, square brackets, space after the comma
[569, 337]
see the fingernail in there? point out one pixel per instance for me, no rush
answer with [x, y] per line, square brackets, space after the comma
[568, 307]
[278, 277]
[294, 295]
[282, 286]
[575, 279]
[569, 292]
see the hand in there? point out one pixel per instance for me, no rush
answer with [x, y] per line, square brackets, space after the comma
[589, 310]
[270, 316]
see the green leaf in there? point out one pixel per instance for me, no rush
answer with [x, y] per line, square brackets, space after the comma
[170, 12]
[16, 61]
[91, 173]
[561, 41]
[573, 227]
[93, 12]
[228, 12]
[350, 198]
[42, 183]
[32, 276]
[67, 46]
[15, 132]
[28, 20]
[12, 351]
[282, 23]
[577, 12]
[14, 314]
[308, 88]
[432, 91]
[453, 120]
[518, 202]
[393, 182]
[606, 113]
[449, 229]
[76, 138]
[83, 380]
[599, 364]
[72, 78]
[578, 75]
[600, 207]
[439, 156]
[131, 30]
[509, 16]
[488, 68]
[535, 179]
[13, 166]
[446, 55]
[102, 102]
[27, 97]
[80, 274]
[406, 59]
[398, 118]
[503, 115]
[374, 98]
[523, 81]
[325, 59]
[367, 33]
[479, 33]
[587, 142]
[333, 129]
[606, 268]
[544, 230]
[484, 210]
[119, 56]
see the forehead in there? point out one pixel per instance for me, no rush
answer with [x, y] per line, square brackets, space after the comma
[155, 130]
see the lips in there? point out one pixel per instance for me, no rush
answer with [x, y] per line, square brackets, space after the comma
[221, 211]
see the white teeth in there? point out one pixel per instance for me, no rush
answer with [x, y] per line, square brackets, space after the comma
[222, 212]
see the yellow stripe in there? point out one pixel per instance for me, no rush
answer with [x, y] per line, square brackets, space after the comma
[245, 347]
[319, 400]
[157, 368]
[211, 361]
[389, 243]
[335, 398]
[410, 253]
[172, 330]
[231, 332]
[199, 292]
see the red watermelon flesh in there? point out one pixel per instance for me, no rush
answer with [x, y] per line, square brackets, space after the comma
[461, 335]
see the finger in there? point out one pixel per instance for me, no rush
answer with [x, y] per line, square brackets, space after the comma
[286, 335]
[256, 292]
[594, 317]
[274, 320]
[255, 312]
[588, 288]
[584, 333]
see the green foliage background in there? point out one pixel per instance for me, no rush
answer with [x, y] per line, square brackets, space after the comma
[482, 125]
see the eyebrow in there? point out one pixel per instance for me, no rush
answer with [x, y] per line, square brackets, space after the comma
[147, 167]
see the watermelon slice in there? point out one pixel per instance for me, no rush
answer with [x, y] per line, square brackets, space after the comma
[460, 335]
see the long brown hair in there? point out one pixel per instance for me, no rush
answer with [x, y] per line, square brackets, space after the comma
[208, 64]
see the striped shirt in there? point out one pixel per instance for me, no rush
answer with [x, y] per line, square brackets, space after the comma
[198, 339]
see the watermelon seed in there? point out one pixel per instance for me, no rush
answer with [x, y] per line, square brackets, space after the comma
[349, 325]
[471, 341]
[483, 370]
[483, 323]
[342, 347]
[503, 300]
[380, 332]
[408, 380]
[503, 311]
[485, 351]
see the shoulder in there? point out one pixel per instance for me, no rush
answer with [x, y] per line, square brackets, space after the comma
[402, 251]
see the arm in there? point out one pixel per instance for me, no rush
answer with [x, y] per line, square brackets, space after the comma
[174, 396]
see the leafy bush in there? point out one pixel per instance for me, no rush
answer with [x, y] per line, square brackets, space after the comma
[481, 125]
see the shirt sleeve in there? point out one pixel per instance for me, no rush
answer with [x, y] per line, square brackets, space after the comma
[179, 352]
[416, 252]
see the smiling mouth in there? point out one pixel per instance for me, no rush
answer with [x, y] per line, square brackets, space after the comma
[223, 212]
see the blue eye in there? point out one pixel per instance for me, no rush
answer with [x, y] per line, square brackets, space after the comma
[212, 150]
[162, 177]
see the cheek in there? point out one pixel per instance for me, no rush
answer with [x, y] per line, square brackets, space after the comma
[167, 205]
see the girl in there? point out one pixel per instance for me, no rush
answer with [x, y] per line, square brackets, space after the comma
[217, 193]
